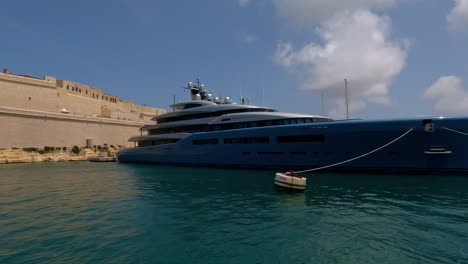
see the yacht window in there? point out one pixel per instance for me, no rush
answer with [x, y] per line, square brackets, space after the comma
[260, 123]
[300, 138]
[212, 114]
[164, 141]
[322, 120]
[216, 128]
[239, 125]
[246, 140]
[146, 143]
[220, 127]
[205, 141]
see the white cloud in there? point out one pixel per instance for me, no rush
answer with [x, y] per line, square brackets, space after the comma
[244, 3]
[300, 12]
[457, 19]
[357, 46]
[449, 95]
[248, 38]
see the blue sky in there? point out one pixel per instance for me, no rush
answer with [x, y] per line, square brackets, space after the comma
[401, 57]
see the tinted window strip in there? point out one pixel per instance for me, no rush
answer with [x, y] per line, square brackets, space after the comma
[220, 127]
[212, 114]
[246, 140]
[210, 141]
[147, 143]
[300, 138]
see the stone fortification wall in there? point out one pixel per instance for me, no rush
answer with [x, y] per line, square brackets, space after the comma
[31, 114]
[52, 95]
[25, 128]
[28, 93]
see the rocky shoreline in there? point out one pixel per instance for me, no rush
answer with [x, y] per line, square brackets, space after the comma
[22, 156]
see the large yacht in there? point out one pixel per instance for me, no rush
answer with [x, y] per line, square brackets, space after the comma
[208, 131]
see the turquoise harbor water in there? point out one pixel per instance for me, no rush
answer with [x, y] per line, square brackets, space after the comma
[118, 213]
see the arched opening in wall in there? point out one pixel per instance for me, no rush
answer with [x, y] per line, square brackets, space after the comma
[29, 98]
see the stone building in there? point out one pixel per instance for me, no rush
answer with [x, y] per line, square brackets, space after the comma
[38, 112]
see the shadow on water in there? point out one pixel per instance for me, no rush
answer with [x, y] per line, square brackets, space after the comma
[106, 213]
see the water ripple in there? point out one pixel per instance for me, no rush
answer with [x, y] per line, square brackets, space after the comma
[107, 213]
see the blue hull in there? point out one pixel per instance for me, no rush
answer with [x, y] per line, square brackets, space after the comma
[327, 143]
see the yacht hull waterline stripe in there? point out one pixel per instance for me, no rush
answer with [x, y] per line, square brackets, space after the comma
[361, 156]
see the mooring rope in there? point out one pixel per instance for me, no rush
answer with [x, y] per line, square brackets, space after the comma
[453, 130]
[358, 157]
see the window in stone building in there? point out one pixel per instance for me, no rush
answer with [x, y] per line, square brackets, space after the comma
[86, 91]
[68, 87]
[29, 98]
[73, 88]
[79, 90]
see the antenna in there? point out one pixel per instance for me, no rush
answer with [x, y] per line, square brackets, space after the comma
[263, 95]
[346, 94]
[323, 105]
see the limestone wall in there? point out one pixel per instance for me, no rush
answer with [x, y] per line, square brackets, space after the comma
[28, 93]
[30, 114]
[52, 95]
[25, 128]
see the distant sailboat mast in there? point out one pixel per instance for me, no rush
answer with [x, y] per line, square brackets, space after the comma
[346, 95]
[323, 104]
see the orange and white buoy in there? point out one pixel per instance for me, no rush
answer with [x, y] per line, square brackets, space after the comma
[290, 180]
